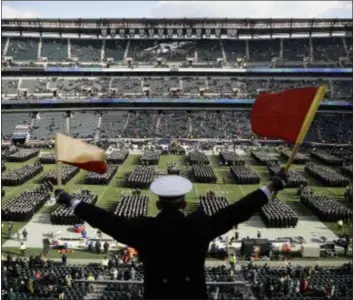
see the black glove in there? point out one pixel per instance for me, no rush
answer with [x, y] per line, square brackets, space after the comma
[279, 180]
[63, 197]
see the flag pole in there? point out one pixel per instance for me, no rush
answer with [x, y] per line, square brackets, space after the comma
[319, 96]
[58, 165]
[58, 176]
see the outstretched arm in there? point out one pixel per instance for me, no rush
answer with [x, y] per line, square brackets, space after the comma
[241, 211]
[238, 212]
[124, 230]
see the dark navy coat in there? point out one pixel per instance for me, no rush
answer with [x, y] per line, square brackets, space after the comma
[173, 246]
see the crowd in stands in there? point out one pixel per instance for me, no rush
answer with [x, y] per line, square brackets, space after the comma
[167, 124]
[36, 277]
[80, 89]
[291, 52]
[326, 176]
[333, 128]
[40, 278]
[46, 125]
[23, 49]
[298, 282]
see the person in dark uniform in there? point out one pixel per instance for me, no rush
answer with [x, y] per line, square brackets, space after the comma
[182, 277]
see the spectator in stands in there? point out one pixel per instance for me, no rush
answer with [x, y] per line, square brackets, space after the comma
[114, 272]
[105, 263]
[11, 295]
[232, 261]
[90, 285]
[68, 280]
[132, 273]
[182, 277]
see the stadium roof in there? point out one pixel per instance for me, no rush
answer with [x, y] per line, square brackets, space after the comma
[239, 27]
[246, 21]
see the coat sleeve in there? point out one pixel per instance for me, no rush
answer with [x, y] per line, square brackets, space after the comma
[124, 230]
[238, 212]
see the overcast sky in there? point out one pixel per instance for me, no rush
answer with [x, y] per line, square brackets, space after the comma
[176, 9]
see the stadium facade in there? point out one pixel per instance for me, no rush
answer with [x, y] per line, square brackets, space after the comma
[160, 65]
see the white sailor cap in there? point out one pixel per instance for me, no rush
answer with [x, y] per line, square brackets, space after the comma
[170, 186]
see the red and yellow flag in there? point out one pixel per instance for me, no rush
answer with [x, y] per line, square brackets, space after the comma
[77, 153]
[286, 115]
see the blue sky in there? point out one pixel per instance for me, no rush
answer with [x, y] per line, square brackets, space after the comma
[177, 9]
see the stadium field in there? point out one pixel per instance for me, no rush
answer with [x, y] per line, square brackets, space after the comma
[109, 194]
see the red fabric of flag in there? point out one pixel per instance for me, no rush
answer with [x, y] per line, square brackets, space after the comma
[281, 115]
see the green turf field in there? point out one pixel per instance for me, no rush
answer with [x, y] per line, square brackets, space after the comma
[109, 195]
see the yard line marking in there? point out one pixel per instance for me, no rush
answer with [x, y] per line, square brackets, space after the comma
[197, 191]
[241, 190]
[100, 197]
[333, 191]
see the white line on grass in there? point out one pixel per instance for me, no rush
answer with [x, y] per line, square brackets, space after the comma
[241, 190]
[197, 191]
[333, 191]
[101, 196]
